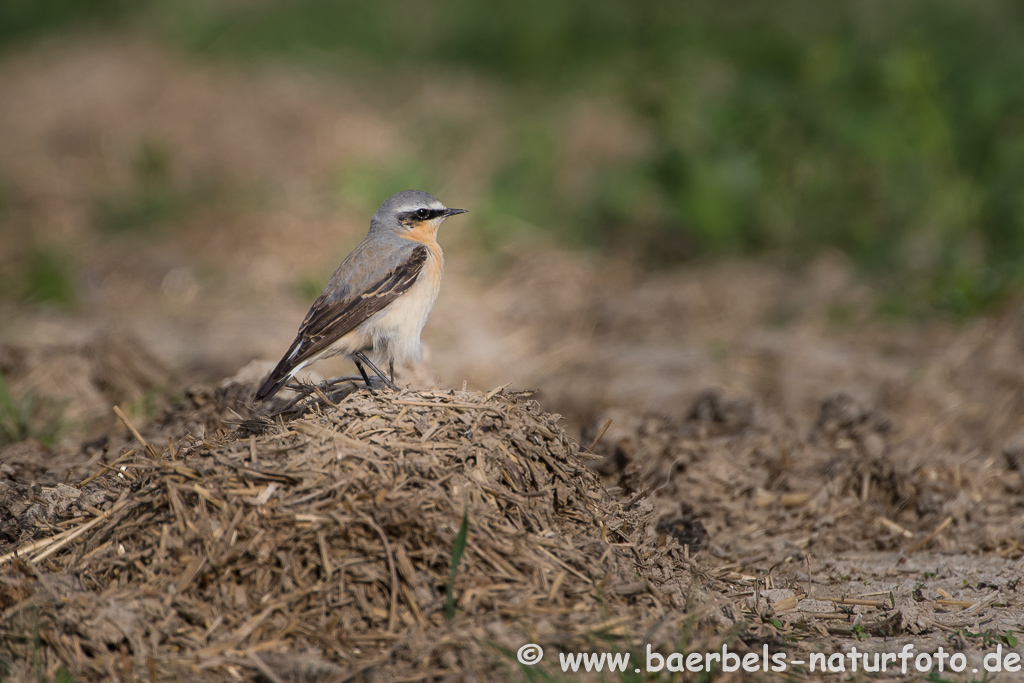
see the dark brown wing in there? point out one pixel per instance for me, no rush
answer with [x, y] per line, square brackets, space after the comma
[334, 314]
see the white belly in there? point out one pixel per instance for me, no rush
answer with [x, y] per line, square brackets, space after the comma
[395, 331]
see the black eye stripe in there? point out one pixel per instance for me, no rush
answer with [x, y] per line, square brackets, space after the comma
[420, 214]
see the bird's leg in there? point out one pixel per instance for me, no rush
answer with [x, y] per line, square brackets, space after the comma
[366, 378]
[391, 369]
[362, 357]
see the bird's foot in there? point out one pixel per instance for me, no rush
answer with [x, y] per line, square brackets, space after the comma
[361, 358]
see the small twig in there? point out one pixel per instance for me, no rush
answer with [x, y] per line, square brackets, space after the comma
[757, 597]
[54, 543]
[124, 458]
[393, 610]
[264, 669]
[135, 432]
[304, 391]
[208, 496]
[440, 404]
[984, 602]
[931, 537]
[35, 545]
[72, 536]
[131, 428]
[565, 566]
[288, 406]
[957, 603]
[494, 392]
[323, 397]
[895, 528]
[600, 434]
[855, 601]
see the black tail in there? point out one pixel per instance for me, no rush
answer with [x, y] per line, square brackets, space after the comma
[273, 383]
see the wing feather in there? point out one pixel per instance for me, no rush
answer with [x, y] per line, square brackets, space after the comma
[334, 315]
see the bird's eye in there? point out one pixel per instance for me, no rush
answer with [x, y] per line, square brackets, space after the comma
[423, 214]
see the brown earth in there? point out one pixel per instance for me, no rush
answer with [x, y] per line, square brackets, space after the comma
[773, 447]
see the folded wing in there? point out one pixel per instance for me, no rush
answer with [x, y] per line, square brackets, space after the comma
[338, 311]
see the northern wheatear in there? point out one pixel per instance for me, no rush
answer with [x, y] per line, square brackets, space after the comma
[379, 298]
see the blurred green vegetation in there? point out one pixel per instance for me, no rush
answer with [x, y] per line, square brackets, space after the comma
[367, 185]
[48, 277]
[892, 131]
[22, 20]
[27, 418]
[309, 286]
[154, 199]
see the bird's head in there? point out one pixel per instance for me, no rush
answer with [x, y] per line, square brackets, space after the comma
[411, 211]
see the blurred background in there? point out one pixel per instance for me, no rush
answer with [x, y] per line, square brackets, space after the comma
[777, 198]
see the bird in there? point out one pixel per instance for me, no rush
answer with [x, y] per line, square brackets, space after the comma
[378, 300]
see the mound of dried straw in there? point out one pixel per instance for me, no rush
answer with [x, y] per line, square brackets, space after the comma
[321, 548]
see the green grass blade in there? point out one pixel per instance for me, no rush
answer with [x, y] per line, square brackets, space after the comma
[457, 549]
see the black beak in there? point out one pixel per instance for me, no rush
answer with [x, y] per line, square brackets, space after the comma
[454, 212]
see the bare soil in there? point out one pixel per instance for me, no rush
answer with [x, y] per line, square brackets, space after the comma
[777, 465]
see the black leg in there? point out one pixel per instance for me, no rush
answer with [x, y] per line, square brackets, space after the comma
[360, 356]
[391, 369]
[366, 378]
